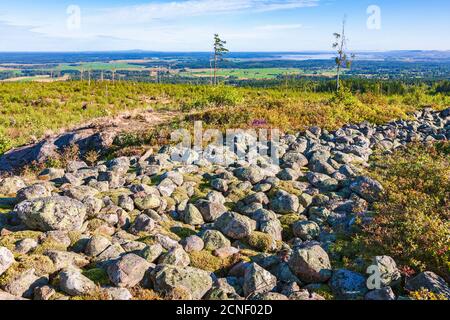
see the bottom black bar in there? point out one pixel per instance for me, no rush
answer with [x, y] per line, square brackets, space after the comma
[220, 309]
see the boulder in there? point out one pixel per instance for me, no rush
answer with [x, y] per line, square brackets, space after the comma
[93, 206]
[311, 264]
[193, 244]
[67, 259]
[166, 278]
[174, 176]
[269, 296]
[80, 192]
[176, 256]
[53, 213]
[210, 210]
[152, 252]
[348, 285]
[385, 293]
[143, 223]
[429, 281]
[322, 181]
[128, 271]
[43, 293]
[5, 296]
[235, 226]
[118, 294]
[257, 280]
[284, 203]
[253, 174]
[214, 239]
[25, 245]
[150, 201]
[367, 188]
[293, 159]
[125, 202]
[193, 216]
[24, 284]
[74, 283]
[6, 259]
[220, 185]
[96, 245]
[10, 185]
[73, 166]
[306, 230]
[33, 192]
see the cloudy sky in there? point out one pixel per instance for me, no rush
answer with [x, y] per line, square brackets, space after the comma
[247, 25]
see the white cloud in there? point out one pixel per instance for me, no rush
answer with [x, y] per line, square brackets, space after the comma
[277, 27]
[175, 25]
[192, 8]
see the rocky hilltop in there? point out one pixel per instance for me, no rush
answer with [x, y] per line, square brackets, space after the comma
[142, 227]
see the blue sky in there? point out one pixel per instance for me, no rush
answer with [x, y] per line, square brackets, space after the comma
[247, 25]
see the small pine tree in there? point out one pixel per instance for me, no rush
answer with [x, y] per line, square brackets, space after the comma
[342, 60]
[219, 52]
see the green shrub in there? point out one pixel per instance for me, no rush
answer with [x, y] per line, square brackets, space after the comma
[425, 294]
[224, 96]
[5, 143]
[412, 222]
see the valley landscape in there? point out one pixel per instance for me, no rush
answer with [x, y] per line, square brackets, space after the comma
[221, 175]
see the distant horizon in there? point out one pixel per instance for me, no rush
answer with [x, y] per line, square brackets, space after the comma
[231, 52]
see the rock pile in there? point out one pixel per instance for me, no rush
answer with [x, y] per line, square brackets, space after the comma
[200, 230]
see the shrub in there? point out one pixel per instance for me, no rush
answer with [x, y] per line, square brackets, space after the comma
[142, 294]
[98, 294]
[223, 96]
[344, 97]
[412, 221]
[5, 143]
[91, 157]
[425, 294]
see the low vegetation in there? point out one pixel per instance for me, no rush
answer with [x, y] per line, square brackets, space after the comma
[29, 111]
[412, 223]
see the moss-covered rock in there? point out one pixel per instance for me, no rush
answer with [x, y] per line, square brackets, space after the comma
[98, 276]
[205, 260]
[286, 223]
[261, 241]
[41, 264]
[9, 241]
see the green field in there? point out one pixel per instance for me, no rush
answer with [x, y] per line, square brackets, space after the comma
[256, 74]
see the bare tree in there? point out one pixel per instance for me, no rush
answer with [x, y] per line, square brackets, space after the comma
[342, 60]
[219, 52]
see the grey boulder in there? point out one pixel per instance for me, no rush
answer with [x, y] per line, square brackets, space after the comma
[53, 213]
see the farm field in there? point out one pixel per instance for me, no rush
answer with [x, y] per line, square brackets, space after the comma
[255, 74]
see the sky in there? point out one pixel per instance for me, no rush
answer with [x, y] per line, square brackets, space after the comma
[246, 25]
